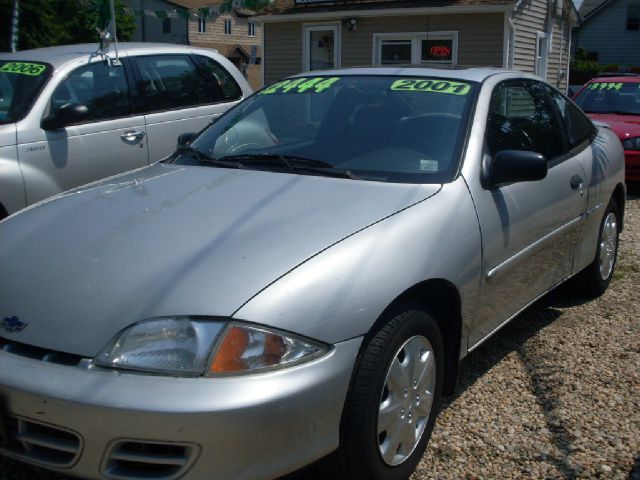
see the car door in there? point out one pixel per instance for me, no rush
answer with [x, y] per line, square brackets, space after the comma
[582, 135]
[529, 229]
[181, 93]
[106, 141]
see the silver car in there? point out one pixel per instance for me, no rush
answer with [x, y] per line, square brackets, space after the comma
[301, 279]
[71, 115]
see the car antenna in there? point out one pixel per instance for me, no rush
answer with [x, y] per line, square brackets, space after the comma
[110, 33]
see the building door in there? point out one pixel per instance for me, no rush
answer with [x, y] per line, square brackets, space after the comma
[321, 47]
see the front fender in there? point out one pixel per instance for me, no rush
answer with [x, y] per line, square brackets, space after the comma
[12, 193]
[339, 293]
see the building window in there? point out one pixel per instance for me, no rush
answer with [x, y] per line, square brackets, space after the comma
[633, 17]
[416, 48]
[166, 25]
[252, 29]
[202, 25]
[227, 26]
[396, 52]
[321, 47]
[541, 54]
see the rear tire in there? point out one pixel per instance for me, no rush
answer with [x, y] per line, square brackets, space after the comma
[594, 280]
[393, 402]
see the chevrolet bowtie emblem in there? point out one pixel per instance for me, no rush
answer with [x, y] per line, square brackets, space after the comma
[12, 324]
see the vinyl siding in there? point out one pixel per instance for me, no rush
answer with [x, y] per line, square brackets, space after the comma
[532, 18]
[149, 29]
[606, 33]
[282, 50]
[480, 40]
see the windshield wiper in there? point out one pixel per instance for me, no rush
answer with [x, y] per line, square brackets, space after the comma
[206, 159]
[292, 163]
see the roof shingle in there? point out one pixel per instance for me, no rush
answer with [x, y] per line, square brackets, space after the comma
[286, 7]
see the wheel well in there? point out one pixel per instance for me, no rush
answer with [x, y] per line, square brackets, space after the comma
[619, 197]
[441, 299]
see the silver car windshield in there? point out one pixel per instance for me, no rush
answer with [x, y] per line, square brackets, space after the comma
[20, 83]
[384, 128]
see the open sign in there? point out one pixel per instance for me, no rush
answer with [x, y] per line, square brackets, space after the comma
[438, 50]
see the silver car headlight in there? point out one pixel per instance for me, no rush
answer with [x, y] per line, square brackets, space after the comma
[631, 143]
[187, 346]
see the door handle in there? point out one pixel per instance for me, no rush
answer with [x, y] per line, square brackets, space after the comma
[576, 182]
[132, 135]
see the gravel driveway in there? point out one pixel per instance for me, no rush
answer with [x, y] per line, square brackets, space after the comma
[555, 394]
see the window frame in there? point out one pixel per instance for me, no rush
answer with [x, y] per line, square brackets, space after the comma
[416, 47]
[227, 26]
[633, 23]
[166, 25]
[202, 25]
[541, 63]
[307, 28]
[251, 28]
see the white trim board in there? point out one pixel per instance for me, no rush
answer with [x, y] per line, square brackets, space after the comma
[391, 12]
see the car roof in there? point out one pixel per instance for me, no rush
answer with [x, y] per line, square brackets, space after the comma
[624, 79]
[468, 74]
[60, 55]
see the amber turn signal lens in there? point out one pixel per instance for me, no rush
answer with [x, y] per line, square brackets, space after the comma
[229, 356]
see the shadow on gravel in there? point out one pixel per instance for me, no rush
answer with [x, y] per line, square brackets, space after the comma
[543, 375]
[635, 471]
[633, 190]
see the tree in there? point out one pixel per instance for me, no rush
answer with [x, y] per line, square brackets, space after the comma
[45, 23]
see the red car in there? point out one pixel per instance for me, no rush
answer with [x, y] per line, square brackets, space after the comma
[616, 101]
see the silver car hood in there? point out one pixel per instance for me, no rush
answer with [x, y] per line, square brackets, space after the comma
[171, 240]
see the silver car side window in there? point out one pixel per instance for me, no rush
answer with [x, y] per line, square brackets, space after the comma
[220, 77]
[103, 89]
[522, 118]
[578, 127]
[170, 82]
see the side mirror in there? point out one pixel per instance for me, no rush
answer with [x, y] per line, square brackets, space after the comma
[510, 166]
[185, 138]
[67, 114]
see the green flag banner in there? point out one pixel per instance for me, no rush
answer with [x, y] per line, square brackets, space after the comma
[182, 13]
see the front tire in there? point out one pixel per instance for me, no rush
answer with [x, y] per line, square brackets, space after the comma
[393, 403]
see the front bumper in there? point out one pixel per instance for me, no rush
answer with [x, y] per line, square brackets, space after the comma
[246, 427]
[632, 165]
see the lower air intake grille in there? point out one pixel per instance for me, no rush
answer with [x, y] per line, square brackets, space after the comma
[130, 460]
[40, 443]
